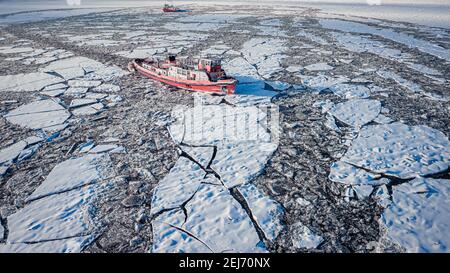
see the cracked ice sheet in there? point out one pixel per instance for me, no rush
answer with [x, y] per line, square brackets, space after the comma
[417, 218]
[265, 54]
[242, 70]
[57, 216]
[356, 112]
[239, 163]
[218, 125]
[71, 245]
[350, 91]
[389, 34]
[27, 82]
[10, 153]
[345, 173]
[73, 173]
[400, 150]
[266, 212]
[177, 186]
[322, 82]
[43, 114]
[201, 155]
[215, 218]
[75, 67]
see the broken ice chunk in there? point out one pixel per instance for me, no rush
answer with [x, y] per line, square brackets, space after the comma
[73, 173]
[177, 186]
[83, 83]
[202, 155]
[267, 212]
[382, 119]
[418, 218]
[357, 112]
[218, 220]
[11, 152]
[54, 217]
[279, 85]
[345, 173]
[350, 91]
[303, 237]
[27, 82]
[81, 102]
[239, 163]
[331, 123]
[103, 148]
[382, 196]
[88, 110]
[363, 191]
[169, 239]
[39, 114]
[318, 67]
[107, 87]
[70, 245]
[400, 150]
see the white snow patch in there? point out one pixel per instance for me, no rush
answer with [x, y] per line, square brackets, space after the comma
[418, 218]
[356, 112]
[266, 212]
[41, 114]
[400, 150]
[73, 173]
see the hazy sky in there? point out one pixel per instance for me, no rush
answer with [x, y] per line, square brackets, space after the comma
[305, 1]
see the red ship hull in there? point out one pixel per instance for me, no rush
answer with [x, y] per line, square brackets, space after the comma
[221, 86]
[170, 9]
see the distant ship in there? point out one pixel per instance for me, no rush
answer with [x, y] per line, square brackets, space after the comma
[187, 73]
[170, 8]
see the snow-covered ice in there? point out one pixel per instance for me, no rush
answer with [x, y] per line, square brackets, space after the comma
[73, 173]
[217, 219]
[418, 217]
[267, 212]
[400, 150]
[356, 112]
[318, 67]
[303, 237]
[345, 173]
[239, 163]
[54, 217]
[178, 186]
[42, 114]
[29, 82]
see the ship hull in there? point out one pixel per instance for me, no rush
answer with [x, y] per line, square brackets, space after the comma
[221, 87]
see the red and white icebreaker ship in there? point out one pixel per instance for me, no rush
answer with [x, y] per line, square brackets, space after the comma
[187, 73]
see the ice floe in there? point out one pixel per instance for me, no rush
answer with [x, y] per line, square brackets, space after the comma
[217, 219]
[73, 173]
[417, 219]
[400, 150]
[303, 237]
[318, 67]
[54, 217]
[356, 112]
[43, 114]
[27, 82]
[239, 163]
[345, 173]
[350, 91]
[265, 211]
[178, 186]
